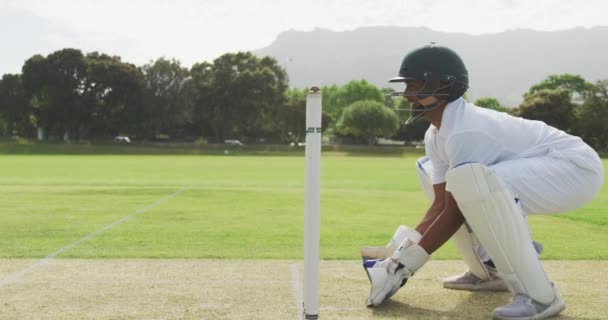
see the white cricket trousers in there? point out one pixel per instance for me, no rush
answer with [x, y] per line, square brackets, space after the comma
[559, 181]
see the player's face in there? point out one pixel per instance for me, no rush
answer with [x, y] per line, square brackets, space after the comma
[411, 88]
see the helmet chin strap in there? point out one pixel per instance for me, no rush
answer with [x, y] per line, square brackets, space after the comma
[427, 103]
[415, 116]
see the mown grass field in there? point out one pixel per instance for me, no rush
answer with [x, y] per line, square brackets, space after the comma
[131, 232]
[235, 206]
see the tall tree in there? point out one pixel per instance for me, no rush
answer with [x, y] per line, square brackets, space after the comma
[165, 112]
[554, 107]
[67, 75]
[14, 106]
[367, 120]
[36, 87]
[3, 126]
[199, 92]
[338, 98]
[578, 86]
[113, 95]
[292, 116]
[331, 100]
[240, 94]
[53, 87]
[592, 117]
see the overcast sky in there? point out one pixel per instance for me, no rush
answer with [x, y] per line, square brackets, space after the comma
[199, 30]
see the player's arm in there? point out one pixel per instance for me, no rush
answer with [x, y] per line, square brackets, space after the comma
[466, 147]
[435, 210]
[444, 225]
[439, 223]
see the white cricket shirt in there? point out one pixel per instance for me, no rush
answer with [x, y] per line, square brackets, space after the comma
[473, 134]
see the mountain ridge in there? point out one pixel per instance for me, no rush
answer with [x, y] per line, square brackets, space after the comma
[502, 65]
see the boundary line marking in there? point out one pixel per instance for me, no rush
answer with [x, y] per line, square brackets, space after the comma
[46, 260]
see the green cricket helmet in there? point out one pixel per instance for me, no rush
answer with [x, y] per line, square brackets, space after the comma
[443, 72]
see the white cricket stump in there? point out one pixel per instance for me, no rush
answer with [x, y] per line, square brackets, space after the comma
[312, 204]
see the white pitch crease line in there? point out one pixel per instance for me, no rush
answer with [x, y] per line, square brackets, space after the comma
[42, 262]
[297, 290]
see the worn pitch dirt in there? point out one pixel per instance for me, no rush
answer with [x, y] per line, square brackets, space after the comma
[263, 289]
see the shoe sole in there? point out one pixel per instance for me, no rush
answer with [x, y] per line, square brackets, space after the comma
[553, 310]
[498, 285]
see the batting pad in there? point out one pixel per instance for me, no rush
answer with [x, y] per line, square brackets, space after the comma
[490, 209]
[465, 241]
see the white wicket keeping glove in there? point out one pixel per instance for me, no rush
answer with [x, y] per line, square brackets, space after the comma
[389, 275]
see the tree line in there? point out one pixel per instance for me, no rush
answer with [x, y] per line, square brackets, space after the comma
[75, 96]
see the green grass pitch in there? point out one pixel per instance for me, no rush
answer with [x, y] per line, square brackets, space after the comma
[234, 206]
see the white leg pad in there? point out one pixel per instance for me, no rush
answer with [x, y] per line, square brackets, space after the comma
[489, 208]
[463, 239]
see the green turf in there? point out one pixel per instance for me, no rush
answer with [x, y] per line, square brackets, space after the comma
[232, 207]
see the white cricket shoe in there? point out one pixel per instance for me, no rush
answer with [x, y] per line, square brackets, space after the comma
[524, 308]
[469, 281]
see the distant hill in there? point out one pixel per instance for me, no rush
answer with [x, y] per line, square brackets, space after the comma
[502, 65]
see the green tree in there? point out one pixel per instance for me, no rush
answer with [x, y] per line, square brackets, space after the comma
[578, 86]
[264, 98]
[331, 100]
[113, 95]
[491, 103]
[335, 99]
[368, 119]
[292, 116]
[36, 87]
[357, 90]
[67, 78]
[239, 95]
[592, 117]
[3, 126]
[165, 112]
[554, 107]
[14, 106]
[199, 92]
[69, 93]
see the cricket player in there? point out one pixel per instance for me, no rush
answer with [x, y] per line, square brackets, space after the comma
[484, 172]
